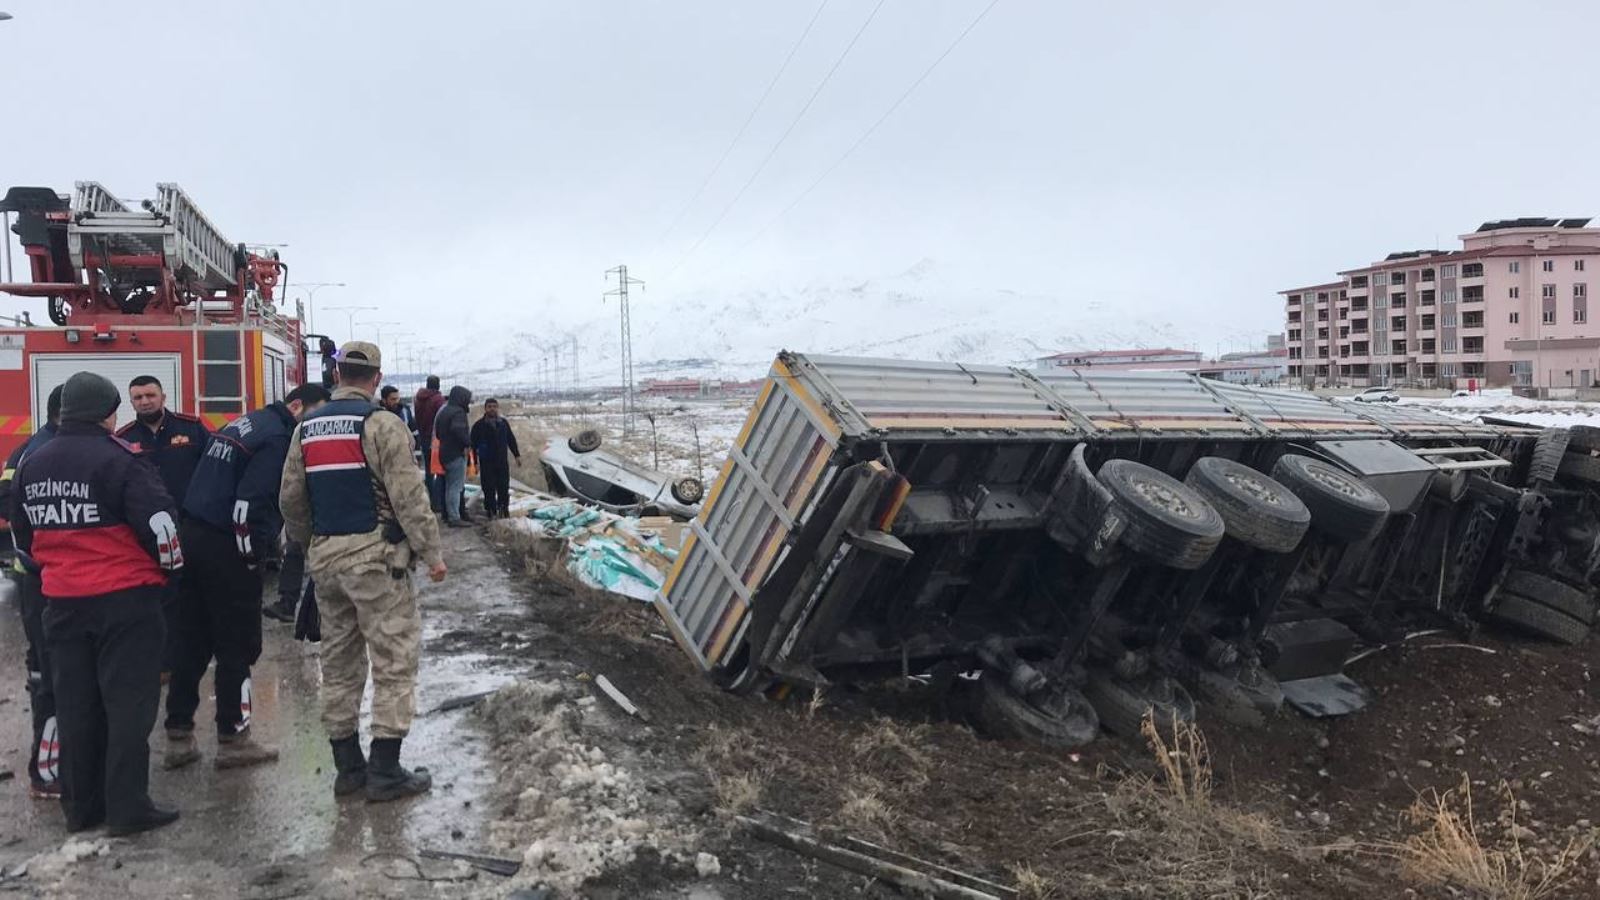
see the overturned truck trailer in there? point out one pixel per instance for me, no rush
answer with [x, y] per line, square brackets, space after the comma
[1100, 545]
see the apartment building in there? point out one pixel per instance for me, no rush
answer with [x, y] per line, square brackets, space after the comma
[1511, 307]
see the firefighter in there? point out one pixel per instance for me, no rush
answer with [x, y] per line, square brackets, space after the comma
[43, 759]
[492, 438]
[173, 441]
[95, 520]
[352, 494]
[230, 520]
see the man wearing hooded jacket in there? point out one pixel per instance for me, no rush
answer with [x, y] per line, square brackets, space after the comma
[455, 439]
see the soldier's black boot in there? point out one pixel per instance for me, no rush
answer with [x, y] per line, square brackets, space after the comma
[350, 763]
[387, 779]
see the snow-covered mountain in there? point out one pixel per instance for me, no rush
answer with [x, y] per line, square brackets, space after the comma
[913, 315]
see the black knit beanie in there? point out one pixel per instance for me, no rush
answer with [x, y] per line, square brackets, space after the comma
[88, 397]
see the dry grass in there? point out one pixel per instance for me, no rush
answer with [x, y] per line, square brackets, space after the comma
[894, 749]
[865, 811]
[616, 618]
[1451, 851]
[737, 794]
[1033, 886]
[819, 699]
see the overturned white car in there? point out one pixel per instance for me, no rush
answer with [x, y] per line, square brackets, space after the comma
[577, 467]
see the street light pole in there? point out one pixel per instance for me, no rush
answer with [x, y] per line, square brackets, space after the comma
[311, 299]
[350, 317]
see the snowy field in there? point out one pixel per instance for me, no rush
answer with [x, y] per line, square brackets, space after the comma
[1502, 403]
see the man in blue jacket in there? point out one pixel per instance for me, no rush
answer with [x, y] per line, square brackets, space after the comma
[230, 520]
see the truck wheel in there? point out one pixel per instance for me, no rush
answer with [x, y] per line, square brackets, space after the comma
[1056, 716]
[688, 490]
[1548, 450]
[1547, 591]
[1342, 506]
[585, 441]
[1537, 619]
[1581, 467]
[1167, 521]
[1122, 705]
[1248, 698]
[1584, 437]
[1257, 510]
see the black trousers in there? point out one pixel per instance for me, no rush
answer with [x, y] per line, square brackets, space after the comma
[43, 759]
[495, 478]
[292, 575]
[105, 655]
[219, 616]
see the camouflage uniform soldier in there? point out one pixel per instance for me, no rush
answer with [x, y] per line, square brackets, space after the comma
[352, 494]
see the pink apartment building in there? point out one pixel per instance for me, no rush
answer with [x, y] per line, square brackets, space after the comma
[1511, 307]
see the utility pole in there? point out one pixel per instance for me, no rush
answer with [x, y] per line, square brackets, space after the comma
[576, 386]
[350, 317]
[623, 282]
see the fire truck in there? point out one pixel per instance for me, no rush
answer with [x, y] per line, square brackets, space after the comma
[142, 289]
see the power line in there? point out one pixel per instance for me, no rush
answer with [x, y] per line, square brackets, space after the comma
[784, 137]
[677, 219]
[874, 127]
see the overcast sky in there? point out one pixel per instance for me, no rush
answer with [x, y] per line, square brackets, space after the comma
[466, 165]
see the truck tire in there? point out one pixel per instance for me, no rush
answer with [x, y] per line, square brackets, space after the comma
[1537, 619]
[1054, 717]
[688, 490]
[1248, 698]
[1168, 522]
[1342, 506]
[585, 441]
[1122, 706]
[1256, 510]
[1581, 467]
[1547, 591]
[1584, 437]
[1548, 451]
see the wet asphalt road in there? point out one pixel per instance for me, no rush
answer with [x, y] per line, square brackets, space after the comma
[276, 830]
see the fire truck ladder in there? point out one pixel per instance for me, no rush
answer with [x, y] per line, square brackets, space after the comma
[170, 226]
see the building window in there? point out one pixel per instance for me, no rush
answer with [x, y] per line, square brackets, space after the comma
[1580, 290]
[1472, 294]
[1516, 318]
[1397, 278]
[1427, 274]
[1514, 293]
[1398, 348]
[1515, 267]
[1448, 271]
[1472, 320]
[1427, 345]
[1449, 320]
[1549, 317]
[1449, 295]
[1472, 270]
[1580, 315]
[1472, 345]
[1547, 291]
[1449, 343]
[1322, 296]
[1397, 300]
[1549, 265]
[1398, 323]
[1577, 265]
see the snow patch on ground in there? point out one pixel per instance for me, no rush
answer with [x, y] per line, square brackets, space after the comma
[572, 813]
[1502, 403]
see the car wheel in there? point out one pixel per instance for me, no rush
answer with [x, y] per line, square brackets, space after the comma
[1547, 591]
[1055, 716]
[1168, 521]
[1256, 510]
[1539, 620]
[585, 441]
[688, 490]
[1342, 506]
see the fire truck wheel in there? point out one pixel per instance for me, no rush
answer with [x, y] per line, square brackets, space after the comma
[1122, 705]
[1581, 467]
[1168, 522]
[1247, 698]
[1257, 510]
[1056, 716]
[1342, 506]
[688, 490]
[1547, 591]
[585, 441]
[1584, 437]
[1537, 619]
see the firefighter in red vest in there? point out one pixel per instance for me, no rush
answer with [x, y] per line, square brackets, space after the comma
[92, 517]
[353, 496]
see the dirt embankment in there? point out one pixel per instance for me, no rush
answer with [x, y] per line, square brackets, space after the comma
[1300, 808]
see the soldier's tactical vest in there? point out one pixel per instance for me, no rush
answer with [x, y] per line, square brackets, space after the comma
[337, 478]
